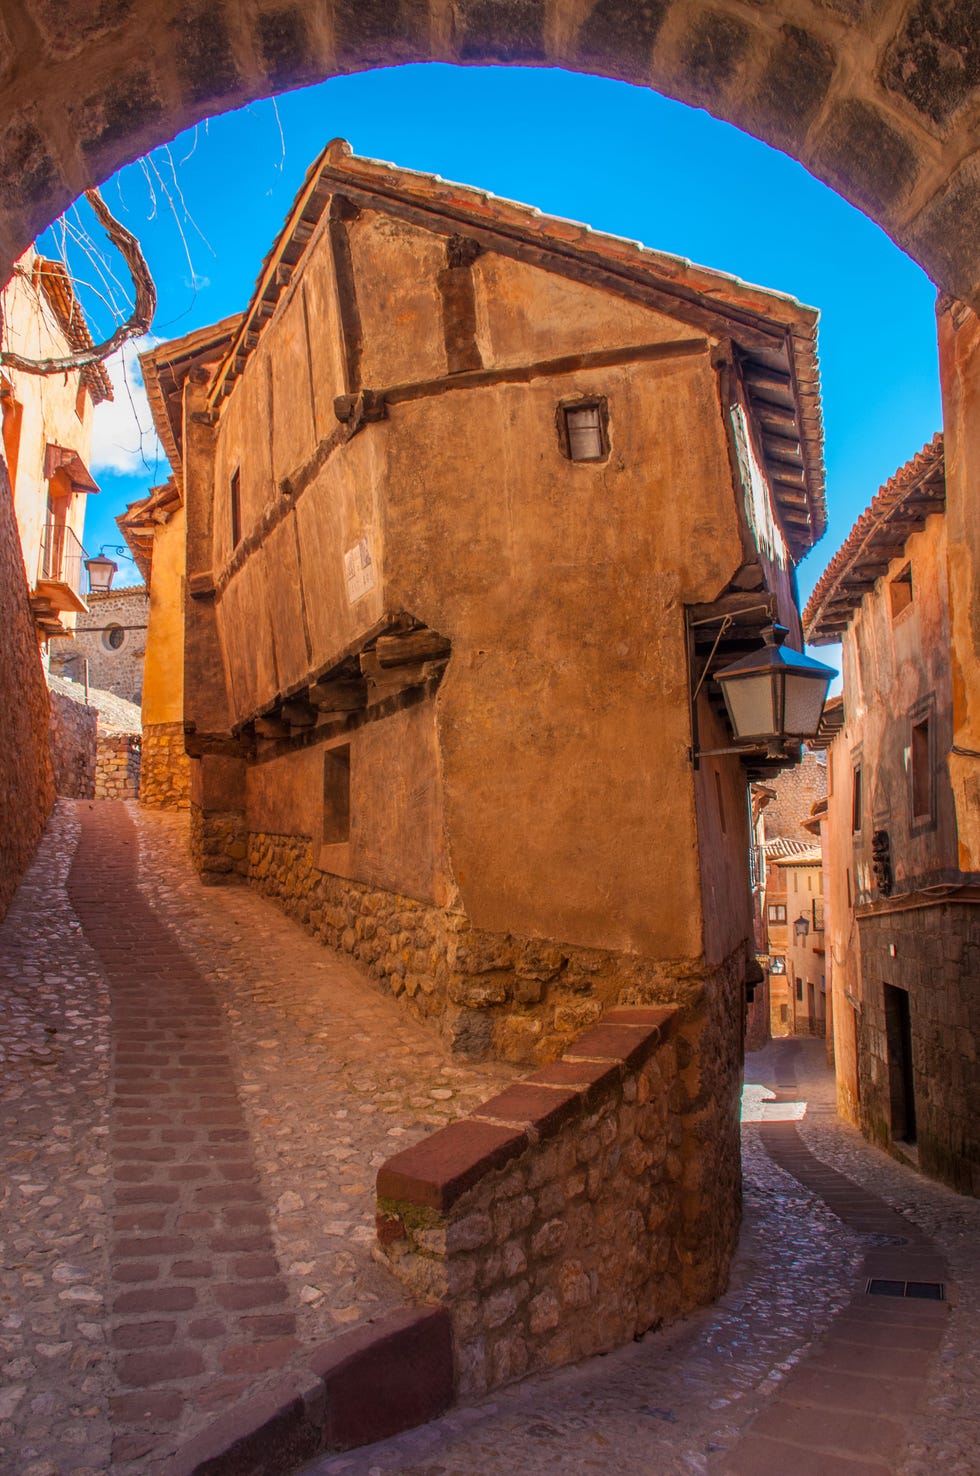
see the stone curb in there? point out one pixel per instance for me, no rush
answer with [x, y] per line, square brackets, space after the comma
[367, 1385]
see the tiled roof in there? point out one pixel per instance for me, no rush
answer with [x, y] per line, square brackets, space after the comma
[138, 524]
[880, 534]
[787, 851]
[56, 284]
[775, 336]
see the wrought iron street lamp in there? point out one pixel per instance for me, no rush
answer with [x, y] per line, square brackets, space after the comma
[774, 696]
[802, 926]
[101, 569]
[100, 572]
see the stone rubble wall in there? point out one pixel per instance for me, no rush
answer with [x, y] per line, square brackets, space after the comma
[516, 999]
[937, 960]
[111, 669]
[26, 780]
[570, 1213]
[165, 775]
[117, 766]
[218, 845]
[73, 742]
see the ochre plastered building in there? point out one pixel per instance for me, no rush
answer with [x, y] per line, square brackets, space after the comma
[904, 919]
[468, 498]
[44, 487]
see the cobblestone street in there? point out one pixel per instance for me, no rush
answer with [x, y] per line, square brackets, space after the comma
[187, 1207]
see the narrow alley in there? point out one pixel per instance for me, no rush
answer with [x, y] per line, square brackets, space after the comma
[195, 1097]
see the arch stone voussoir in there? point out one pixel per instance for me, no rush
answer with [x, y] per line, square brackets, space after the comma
[881, 102]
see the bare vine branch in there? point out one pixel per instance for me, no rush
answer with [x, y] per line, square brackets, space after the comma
[136, 324]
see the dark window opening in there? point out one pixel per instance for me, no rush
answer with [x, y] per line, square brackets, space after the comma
[236, 508]
[583, 430]
[113, 637]
[900, 591]
[336, 795]
[901, 1088]
[799, 991]
[920, 770]
[857, 806]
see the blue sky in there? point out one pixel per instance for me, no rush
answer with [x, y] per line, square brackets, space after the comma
[620, 158]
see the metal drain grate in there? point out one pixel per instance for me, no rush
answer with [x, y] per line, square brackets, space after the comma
[922, 1291]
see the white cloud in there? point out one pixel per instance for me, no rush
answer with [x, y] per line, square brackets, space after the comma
[123, 438]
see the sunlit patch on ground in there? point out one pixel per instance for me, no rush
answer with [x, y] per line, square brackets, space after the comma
[759, 1105]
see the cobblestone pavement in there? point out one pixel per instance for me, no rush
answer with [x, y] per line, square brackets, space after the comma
[103, 1225]
[331, 1077]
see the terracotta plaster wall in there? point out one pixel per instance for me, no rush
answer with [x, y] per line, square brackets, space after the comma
[891, 664]
[396, 835]
[563, 715]
[163, 671]
[48, 411]
[560, 585]
[843, 936]
[959, 370]
[721, 799]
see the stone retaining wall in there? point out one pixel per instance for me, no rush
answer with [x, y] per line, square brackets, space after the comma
[117, 766]
[26, 781]
[518, 999]
[566, 1215]
[218, 845]
[165, 774]
[73, 739]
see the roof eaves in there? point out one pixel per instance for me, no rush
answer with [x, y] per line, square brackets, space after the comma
[53, 279]
[768, 324]
[917, 489]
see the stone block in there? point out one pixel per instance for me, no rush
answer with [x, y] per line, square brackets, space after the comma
[438, 1170]
[544, 1109]
[386, 1377]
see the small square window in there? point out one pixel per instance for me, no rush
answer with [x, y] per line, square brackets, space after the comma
[900, 591]
[777, 912]
[582, 430]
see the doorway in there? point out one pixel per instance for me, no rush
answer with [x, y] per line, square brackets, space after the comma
[898, 1038]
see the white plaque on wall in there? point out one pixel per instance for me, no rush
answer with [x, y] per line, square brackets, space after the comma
[359, 570]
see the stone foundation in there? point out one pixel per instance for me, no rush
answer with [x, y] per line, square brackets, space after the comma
[517, 999]
[165, 776]
[117, 766]
[73, 741]
[936, 961]
[577, 1209]
[218, 845]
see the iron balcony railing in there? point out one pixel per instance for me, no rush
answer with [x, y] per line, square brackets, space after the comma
[62, 557]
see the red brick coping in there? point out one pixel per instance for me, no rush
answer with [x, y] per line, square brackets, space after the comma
[437, 1171]
[367, 1385]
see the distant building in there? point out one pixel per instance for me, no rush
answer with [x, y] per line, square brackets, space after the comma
[904, 912]
[109, 643]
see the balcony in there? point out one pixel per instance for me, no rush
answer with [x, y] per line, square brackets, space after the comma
[58, 587]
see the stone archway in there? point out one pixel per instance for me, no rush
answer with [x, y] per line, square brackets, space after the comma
[881, 102]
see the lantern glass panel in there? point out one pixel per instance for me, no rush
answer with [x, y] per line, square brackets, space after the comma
[804, 703]
[753, 704]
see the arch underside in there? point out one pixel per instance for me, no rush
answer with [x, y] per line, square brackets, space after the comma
[882, 103]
